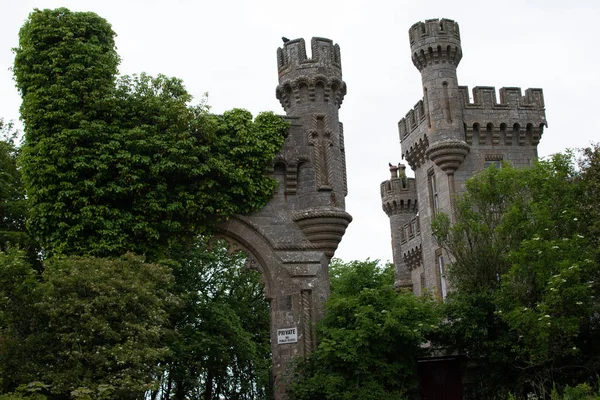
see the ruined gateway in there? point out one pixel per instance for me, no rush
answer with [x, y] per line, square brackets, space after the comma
[292, 239]
[444, 139]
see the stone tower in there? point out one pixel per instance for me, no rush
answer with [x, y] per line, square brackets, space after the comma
[291, 240]
[399, 197]
[445, 139]
[311, 92]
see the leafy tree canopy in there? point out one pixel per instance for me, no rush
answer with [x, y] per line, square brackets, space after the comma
[526, 270]
[13, 207]
[220, 346]
[369, 338]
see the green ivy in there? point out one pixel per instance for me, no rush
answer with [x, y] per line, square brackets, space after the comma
[114, 164]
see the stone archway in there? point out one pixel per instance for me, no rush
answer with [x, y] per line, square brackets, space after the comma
[296, 286]
[292, 239]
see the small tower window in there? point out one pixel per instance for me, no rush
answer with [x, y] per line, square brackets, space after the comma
[441, 272]
[442, 266]
[433, 192]
[497, 164]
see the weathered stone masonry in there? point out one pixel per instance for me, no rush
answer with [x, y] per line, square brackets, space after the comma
[445, 139]
[293, 238]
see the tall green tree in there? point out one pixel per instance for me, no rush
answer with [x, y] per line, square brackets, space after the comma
[220, 346]
[370, 337]
[525, 272]
[126, 164]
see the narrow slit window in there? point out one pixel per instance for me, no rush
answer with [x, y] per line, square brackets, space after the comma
[442, 271]
[433, 193]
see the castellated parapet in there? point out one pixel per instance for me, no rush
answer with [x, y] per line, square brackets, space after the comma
[514, 119]
[399, 193]
[435, 41]
[303, 79]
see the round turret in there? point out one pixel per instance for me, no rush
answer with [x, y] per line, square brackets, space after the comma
[399, 201]
[435, 42]
[311, 91]
[399, 194]
[436, 52]
[305, 80]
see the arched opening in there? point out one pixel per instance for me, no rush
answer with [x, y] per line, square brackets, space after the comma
[296, 285]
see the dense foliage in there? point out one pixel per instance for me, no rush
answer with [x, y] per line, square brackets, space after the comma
[13, 209]
[526, 273]
[370, 337]
[119, 327]
[114, 165]
[220, 346]
[88, 322]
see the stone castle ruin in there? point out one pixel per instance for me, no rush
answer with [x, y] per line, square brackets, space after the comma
[445, 139]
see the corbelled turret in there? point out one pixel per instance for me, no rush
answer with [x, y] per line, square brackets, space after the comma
[311, 91]
[399, 201]
[436, 52]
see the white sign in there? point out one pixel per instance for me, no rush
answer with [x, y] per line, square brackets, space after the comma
[288, 335]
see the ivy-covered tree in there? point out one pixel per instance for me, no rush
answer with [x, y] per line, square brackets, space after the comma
[117, 164]
[526, 269]
[370, 338]
[126, 164]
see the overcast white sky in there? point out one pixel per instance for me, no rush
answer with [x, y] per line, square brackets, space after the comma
[228, 48]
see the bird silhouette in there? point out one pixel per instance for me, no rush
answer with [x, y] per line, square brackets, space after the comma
[285, 40]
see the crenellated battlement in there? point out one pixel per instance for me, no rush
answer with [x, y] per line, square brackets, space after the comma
[515, 119]
[399, 193]
[303, 79]
[293, 55]
[412, 120]
[433, 28]
[485, 109]
[484, 97]
[434, 42]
